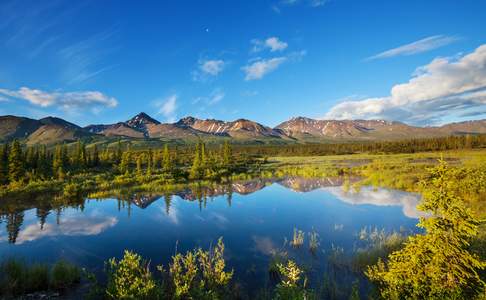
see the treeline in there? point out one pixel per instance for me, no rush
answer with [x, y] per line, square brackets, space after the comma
[389, 147]
[19, 165]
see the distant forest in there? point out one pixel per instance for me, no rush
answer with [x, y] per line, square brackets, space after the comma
[388, 147]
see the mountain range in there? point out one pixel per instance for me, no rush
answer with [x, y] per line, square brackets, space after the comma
[53, 130]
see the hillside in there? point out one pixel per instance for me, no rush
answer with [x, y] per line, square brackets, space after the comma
[142, 127]
[240, 129]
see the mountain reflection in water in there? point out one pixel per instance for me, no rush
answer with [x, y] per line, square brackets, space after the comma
[12, 213]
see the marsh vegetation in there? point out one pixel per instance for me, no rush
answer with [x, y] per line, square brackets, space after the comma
[380, 262]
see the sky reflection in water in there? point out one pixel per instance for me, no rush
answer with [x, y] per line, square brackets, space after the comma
[255, 220]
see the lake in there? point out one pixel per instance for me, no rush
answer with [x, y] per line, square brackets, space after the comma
[255, 218]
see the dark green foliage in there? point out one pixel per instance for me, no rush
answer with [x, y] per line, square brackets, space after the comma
[401, 146]
[167, 161]
[4, 164]
[18, 278]
[14, 222]
[64, 275]
[15, 163]
[38, 277]
[437, 264]
[198, 162]
[96, 157]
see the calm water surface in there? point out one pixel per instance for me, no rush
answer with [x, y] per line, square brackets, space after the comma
[255, 218]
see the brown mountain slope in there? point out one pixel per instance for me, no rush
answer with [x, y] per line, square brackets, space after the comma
[241, 128]
[58, 121]
[478, 126]
[53, 130]
[118, 129]
[54, 133]
[348, 130]
[173, 131]
[12, 127]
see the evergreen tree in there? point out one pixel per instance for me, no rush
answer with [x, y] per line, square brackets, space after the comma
[96, 156]
[43, 164]
[14, 222]
[4, 164]
[125, 162]
[15, 162]
[64, 156]
[437, 264]
[79, 159]
[226, 155]
[148, 172]
[203, 156]
[31, 158]
[42, 214]
[166, 160]
[118, 153]
[139, 166]
[168, 201]
[58, 162]
[156, 159]
[195, 172]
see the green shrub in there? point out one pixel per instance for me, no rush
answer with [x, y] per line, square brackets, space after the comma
[200, 274]
[13, 276]
[292, 285]
[130, 278]
[64, 275]
[38, 277]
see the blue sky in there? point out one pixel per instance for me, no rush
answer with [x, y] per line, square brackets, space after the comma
[421, 62]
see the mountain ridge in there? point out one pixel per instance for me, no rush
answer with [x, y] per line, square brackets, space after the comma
[297, 129]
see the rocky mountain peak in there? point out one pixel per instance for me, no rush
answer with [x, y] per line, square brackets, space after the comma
[141, 118]
[141, 121]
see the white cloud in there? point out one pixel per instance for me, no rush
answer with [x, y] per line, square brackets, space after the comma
[67, 101]
[272, 43]
[167, 107]
[423, 45]
[257, 68]
[212, 67]
[275, 44]
[208, 68]
[380, 197]
[446, 87]
[4, 99]
[74, 226]
[260, 68]
[215, 97]
[310, 3]
[317, 3]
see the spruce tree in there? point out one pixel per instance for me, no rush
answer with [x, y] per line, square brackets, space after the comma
[166, 160]
[118, 153]
[437, 264]
[15, 162]
[96, 156]
[79, 159]
[43, 164]
[226, 155]
[4, 164]
[58, 161]
[14, 222]
[139, 166]
[124, 165]
[195, 172]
